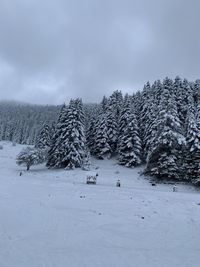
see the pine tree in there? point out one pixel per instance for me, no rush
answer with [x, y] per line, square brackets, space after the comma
[70, 145]
[53, 157]
[150, 132]
[112, 130]
[43, 138]
[196, 92]
[165, 159]
[102, 148]
[115, 102]
[74, 146]
[182, 91]
[90, 135]
[158, 86]
[112, 111]
[149, 128]
[104, 104]
[192, 155]
[124, 117]
[130, 145]
[144, 110]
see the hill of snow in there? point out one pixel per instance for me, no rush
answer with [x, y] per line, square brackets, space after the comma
[51, 218]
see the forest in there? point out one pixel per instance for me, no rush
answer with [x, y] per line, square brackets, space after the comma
[158, 127]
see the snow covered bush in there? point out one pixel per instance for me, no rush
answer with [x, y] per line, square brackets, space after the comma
[1, 147]
[30, 156]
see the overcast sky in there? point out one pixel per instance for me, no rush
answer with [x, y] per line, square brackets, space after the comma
[54, 50]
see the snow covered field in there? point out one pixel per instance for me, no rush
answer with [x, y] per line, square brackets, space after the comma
[51, 218]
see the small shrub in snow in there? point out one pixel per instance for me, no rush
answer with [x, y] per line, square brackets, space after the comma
[118, 184]
[1, 147]
[30, 156]
[175, 189]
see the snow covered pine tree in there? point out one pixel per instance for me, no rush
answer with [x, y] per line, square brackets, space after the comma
[165, 160]
[129, 146]
[102, 148]
[69, 148]
[43, 138]
[192, 157]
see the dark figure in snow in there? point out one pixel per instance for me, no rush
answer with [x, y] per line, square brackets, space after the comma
[174, 188]
[118, 184]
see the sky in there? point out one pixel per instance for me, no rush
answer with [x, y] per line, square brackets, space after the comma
[55, 50]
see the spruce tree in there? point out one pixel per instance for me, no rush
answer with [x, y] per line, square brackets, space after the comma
[73, 143]
[53, 157]
[104, 104]
[112, 130]
[115, 102]
[68, 148]
[43, 138]
[144, 110]
[102, 148]
[124, 117]
[90, 135]
[192, 155]
[165, 160]
[129, 144]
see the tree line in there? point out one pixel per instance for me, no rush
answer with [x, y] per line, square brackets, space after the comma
[21, 123]
[158, 126]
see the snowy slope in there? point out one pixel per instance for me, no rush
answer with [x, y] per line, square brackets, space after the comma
[51, 218]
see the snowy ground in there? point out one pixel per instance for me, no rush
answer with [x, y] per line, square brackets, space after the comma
[53, 219]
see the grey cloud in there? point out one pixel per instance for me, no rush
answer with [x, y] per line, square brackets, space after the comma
[53, 50]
